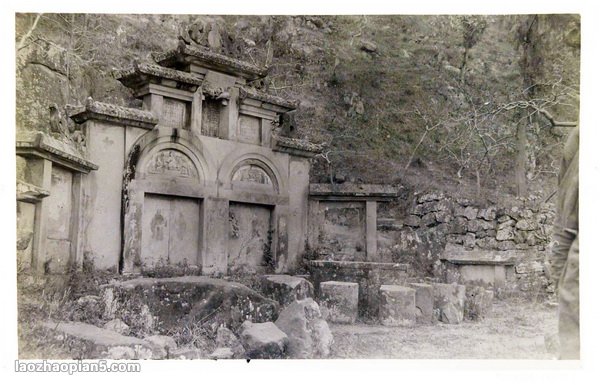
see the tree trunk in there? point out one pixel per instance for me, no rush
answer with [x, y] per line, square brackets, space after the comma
[521, 164]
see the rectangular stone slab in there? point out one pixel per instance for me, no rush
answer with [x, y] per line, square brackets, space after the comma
[397, 305]
[339, 301]
[423, 302]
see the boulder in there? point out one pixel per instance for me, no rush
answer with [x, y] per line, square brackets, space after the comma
[117, 325]
[368, 46]
[423, 302]
[221, 354]
[479, 224]
[308, 333]
[505, 233]
[478, 302]
[166, 343]
[428, 220]
[339, 301]
[87, 341]
[470, 212]
[263, 340]
[449, 302]
[165, 303]
[527, 224]
[489, 214]
[227, 339]
[286, 288]
[397, 305]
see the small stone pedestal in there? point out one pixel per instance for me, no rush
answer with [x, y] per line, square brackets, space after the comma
[339, 301]
[478, 302]
[397, 305]
[423, 302]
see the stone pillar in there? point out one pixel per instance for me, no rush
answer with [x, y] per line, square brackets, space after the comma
[106, 148]
[42, 177]
[154, 103]
[196, 113]
[280, 237]
[229, 116]
[265, 132]
[314, 223]
[371, 230]
[215, 236]
[76, 230]
[298, 182]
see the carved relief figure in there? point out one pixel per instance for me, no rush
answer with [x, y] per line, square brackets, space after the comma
[172, 162]
[252, 174]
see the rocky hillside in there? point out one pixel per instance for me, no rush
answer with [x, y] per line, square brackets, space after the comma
[429, 102]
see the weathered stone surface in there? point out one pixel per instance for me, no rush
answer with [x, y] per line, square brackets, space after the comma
[166, 343]
[227, 339]
[397, 305]
[188, 353]
[423, 302]
[480, 224]
[478, 302]
[221, 354]
[368, 46]
[489, 214]
[263, 340]
[527, 224]
[506, 245]
[308, 333]
[505, 233]
[339, 301]
[431, 196]
[286, 288]
[412, 221]
[443, 216]
[458, 226]
[449, 302]
[116, 325]
[428, 220]
[504, 218]
[470, 212]
[188, 299]
[506, 224]
[91, 342]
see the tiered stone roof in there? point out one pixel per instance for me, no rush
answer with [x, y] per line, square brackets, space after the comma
[187, 54]
[296, 146]
[247, 92]
[139, 73]
[112, 113]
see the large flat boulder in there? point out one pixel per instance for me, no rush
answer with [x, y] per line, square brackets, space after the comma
[263, 340]
[168, 303]
[308, 333]
[286, 288]
[87, 341]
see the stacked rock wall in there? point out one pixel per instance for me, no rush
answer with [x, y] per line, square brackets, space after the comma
[418, 232]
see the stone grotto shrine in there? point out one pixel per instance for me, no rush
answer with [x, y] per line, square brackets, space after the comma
[206, 175]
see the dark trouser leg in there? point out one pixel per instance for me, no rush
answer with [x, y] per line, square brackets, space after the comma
[568, 306]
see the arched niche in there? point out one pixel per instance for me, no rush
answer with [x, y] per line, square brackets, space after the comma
[254, 173]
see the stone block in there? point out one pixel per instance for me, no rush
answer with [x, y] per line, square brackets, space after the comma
[339, 301]
[478, 302]
[449, 302]
[397, 305]
[423, 302]
[308, 333]
[263, 340]
[286, 288]
[226, 339]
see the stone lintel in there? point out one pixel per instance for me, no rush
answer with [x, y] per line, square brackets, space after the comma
[359, 265]
[111, 113]
[203, 57]
[459, 256]
[140, 74]
[353, 191]
[43, 146]
[166, 91]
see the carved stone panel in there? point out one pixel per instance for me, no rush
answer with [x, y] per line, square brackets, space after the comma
[249, 239]
[249, 129]
[174, 113]
[344, 230]
[211, 117]
[172, 163]
[250, 173]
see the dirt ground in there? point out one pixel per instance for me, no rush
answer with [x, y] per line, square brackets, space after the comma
[514, 329]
